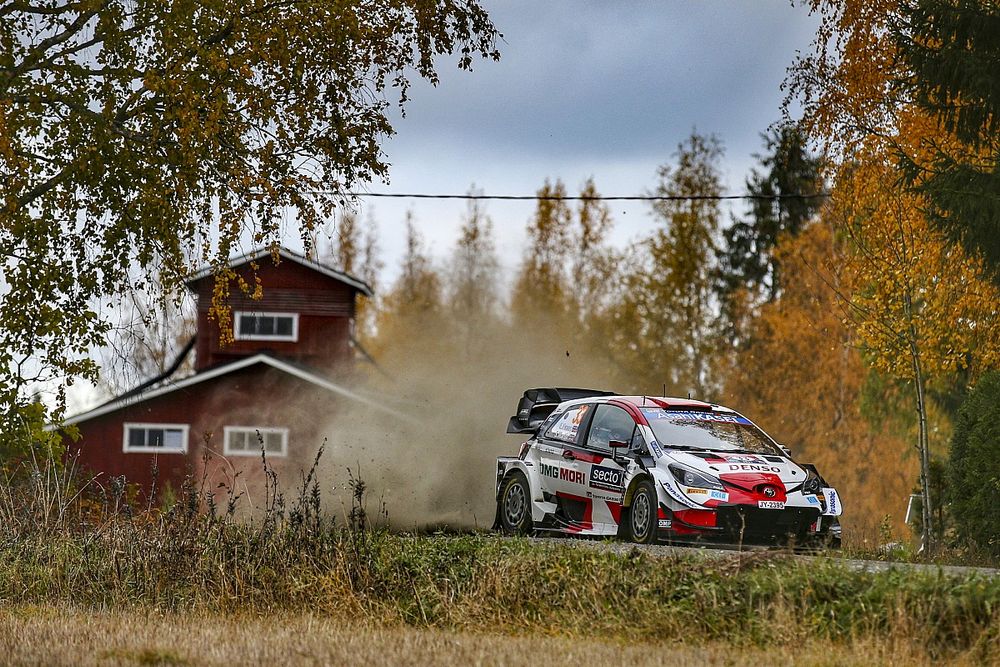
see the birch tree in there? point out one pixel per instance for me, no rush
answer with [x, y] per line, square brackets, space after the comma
[134, 132]
[921, 307]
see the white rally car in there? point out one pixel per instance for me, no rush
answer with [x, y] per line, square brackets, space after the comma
[648, 469]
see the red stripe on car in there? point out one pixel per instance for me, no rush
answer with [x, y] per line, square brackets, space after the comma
[588, 512]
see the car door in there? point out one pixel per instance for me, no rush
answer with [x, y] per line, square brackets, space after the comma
[605, 476]
[562, 473]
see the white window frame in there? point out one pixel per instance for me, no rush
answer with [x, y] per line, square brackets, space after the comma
[128, 426]
[226, 430]
[239, 314]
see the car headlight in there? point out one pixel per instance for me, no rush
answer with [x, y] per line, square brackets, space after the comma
[812, 483]
[689, 477]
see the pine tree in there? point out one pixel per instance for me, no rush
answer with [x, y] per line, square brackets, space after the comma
[952, 49]
[786, 170]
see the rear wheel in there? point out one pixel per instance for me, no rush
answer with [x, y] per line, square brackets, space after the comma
[640, 525]
[515, 505]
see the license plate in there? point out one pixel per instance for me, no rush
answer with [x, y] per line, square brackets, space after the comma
[770, 504]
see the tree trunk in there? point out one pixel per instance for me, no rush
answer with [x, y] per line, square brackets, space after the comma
[927, 541]
[927, 527]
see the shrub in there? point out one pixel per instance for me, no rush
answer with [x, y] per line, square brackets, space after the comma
[974, 467]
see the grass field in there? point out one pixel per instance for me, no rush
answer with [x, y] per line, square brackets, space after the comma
[378, 598]
[60, 635]
[112, 583]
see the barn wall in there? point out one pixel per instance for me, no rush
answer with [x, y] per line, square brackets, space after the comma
[325, 306]
[258, 396]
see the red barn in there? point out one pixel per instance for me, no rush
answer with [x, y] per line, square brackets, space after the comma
[275, 386]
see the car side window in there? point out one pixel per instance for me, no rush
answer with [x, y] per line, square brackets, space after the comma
[610, 423]
[567, 427]
[638, 443]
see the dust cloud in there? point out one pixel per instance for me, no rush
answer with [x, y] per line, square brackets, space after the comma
[433, 462]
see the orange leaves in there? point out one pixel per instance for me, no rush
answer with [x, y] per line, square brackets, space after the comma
[801, 376]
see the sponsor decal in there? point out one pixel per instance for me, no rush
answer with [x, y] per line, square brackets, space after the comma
[571, 476]
[674, 494]
[770, 504]
[663, 523]
[832, 502]
[605, 497]
[564, 474]
[696, 492]
[679, 416]
[655, 446]
[721, 496]
[752, 467]
[812, 500]
[569, 423]
[743, 458]
[608, 479]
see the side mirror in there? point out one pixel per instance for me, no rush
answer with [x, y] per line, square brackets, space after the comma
[786, 450]
[616, 445]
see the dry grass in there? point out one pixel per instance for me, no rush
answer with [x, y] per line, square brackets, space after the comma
[58, 635]
[192, 585]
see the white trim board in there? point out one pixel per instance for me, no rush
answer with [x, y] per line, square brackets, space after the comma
[185, 430]
[239, 314]
[225, 370]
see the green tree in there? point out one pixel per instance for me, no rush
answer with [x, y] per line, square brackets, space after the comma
[665, 322]
[952, 52]
[786, 169]
[131, 132]
[974, 466]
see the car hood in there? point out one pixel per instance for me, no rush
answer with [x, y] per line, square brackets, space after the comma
[744, 470]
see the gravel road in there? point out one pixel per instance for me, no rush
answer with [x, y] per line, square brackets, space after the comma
[665, 551]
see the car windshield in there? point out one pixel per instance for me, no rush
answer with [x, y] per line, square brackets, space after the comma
[708, 430]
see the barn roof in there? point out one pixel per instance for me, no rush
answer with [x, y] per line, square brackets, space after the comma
[289, 255]
[167, 386]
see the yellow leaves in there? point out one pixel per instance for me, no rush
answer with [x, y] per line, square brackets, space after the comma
[220, 309]
[917, 294]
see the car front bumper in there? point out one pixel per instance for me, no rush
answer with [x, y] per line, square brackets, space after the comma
[743, 524]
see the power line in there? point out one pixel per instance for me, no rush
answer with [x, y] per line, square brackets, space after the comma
[413, 195]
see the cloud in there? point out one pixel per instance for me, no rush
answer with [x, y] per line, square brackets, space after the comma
[602, 89]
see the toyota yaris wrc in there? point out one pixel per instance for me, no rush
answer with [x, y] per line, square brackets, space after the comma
[657, 469]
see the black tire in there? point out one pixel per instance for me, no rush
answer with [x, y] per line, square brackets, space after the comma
[640, 520]
[514, 506]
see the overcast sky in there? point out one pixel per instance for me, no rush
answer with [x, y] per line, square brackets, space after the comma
[587, 88]
[584, 88]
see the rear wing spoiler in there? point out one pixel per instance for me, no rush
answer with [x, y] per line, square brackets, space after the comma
[537, 404]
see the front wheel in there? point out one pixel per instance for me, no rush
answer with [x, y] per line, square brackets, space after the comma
[641, 521]
[515, 506]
